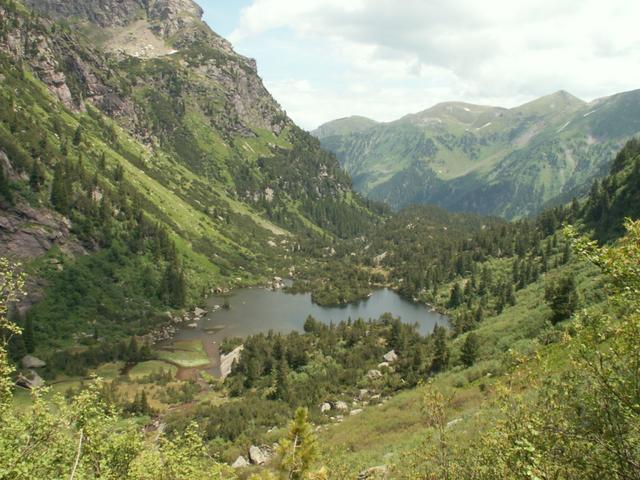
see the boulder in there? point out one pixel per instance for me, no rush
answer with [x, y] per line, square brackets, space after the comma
[453, 422]
[257, 456]
[199, 312]
[374, 473]
[29, 361]
[325, 407]
[240, 462]
[356, 411]
[391, 356]
[227, 361]
[374, 374]
[363, 394]
[342, 406]
[31, 380]
[383, 365]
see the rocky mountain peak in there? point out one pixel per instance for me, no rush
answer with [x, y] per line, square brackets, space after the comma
[169, 16]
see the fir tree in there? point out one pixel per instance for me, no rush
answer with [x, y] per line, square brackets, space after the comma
[298, 449]
[5, 187]
[562, 298]
[469, 350]
[455, 297]
[77, 136]
[36, 177]
[60, 190]
[441, 350]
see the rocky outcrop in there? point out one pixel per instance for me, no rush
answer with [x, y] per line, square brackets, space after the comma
[29, 361]
[374, 473]
[31, 380]
[72, 72]
[173, 16]
[105, 13]
[257, 456]
[28, 233]
[227, 361]
[391, 356]
[240, 462]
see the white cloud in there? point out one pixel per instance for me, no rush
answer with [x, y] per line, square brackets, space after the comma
[414, 52]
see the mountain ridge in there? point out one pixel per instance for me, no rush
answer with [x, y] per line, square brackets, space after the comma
[464, 157]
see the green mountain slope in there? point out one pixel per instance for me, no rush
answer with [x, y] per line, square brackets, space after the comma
[162, 160]
[527, 369]
[489, 160]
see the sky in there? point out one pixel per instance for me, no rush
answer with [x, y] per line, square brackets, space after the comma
[328, 59]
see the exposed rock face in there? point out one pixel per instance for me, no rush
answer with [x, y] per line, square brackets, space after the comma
[240, 462]
[59, 62]
[27, 233]
[173, 15]
[227, 361]
[106, 13]
[257, 456]
[29, 361]
[31, 380]
[391, 356]
[374, 473]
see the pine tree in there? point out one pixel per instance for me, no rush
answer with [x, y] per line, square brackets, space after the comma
[562, 298]
[469, 350]
[455, 297]
[5, 187]
[173, 288]
[441, 350]
[59, 190]
[298, 449]
[77, 136]
[283, 389]
[36, 177]
[133, 351]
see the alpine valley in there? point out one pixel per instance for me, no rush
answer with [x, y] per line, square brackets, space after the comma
[184, 270]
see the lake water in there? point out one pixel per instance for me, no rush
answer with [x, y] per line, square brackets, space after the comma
[255, 310]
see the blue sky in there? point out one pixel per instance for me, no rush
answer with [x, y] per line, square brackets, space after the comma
[326, 59]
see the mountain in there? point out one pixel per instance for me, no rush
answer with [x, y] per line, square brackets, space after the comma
[345, 126]
[144, 164]
[484, 159]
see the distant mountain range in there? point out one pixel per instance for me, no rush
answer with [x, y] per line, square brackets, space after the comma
[484, 159]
